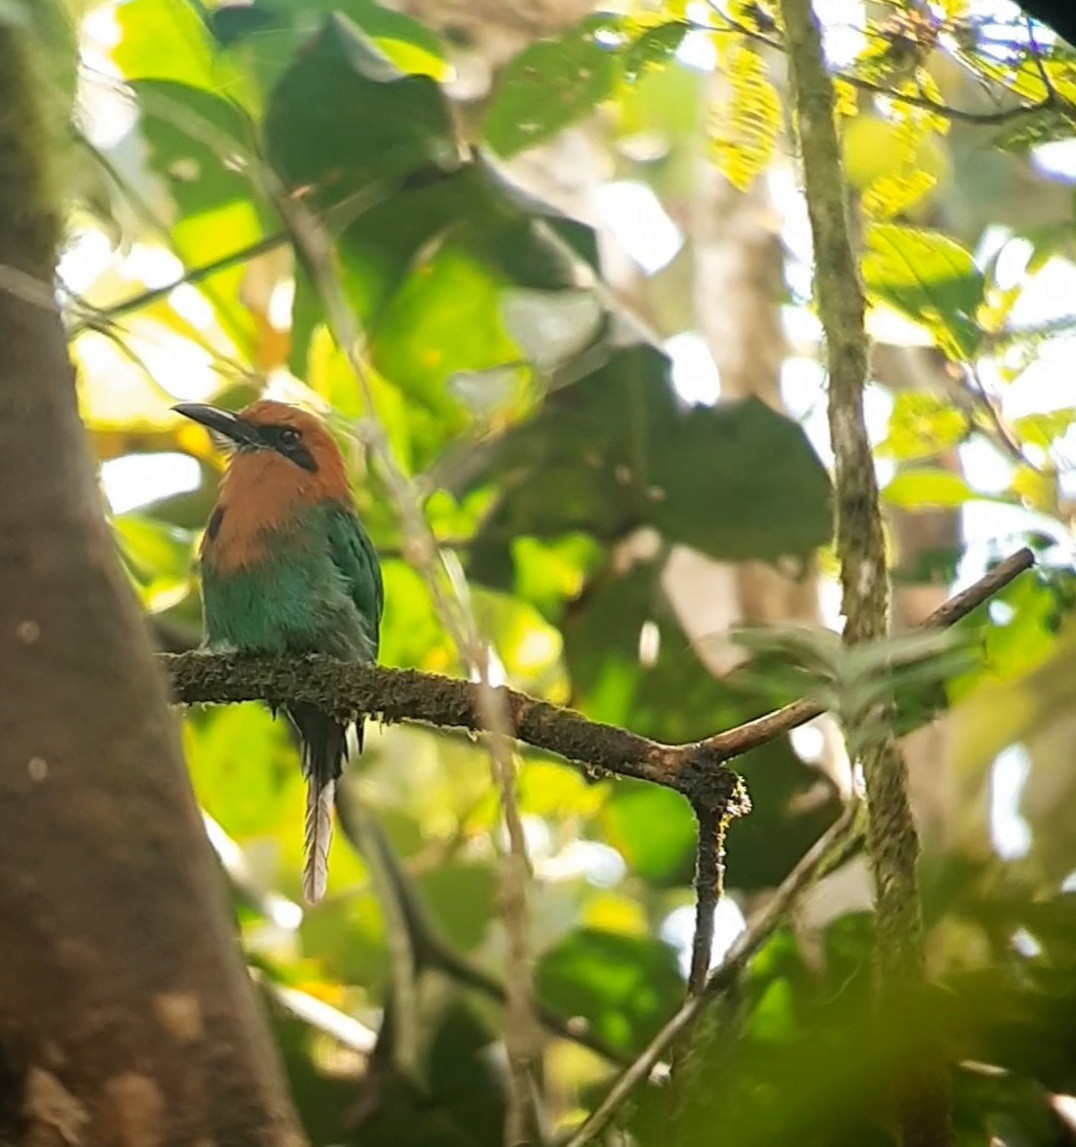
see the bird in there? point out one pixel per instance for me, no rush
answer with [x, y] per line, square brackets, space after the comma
[287, 569]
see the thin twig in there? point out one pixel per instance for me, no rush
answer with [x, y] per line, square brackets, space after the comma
[403, 981]
[520, 1034]
[431, 950]
[981, 395]
[982, 119]
[735, 742]
[759, 929]
[104, 315]
[1040, 64]
[962, 115]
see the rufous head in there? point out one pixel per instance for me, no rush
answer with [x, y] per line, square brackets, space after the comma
[278, 450]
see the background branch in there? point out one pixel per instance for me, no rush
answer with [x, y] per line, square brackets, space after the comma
[450, 601]
[827, 852]
[922, 1104]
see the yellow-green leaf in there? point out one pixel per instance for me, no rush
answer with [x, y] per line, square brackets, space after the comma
[922, 425]
[928, 488]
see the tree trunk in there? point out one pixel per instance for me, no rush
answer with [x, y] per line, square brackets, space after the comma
[126, 1014]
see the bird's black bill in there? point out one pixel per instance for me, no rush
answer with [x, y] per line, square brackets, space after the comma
[220, 422]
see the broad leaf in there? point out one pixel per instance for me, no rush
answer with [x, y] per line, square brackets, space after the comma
[344, 118]
[624, 987]
[928, 277]
[546, 87]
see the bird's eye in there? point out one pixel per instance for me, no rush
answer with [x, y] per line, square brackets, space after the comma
[289, 437]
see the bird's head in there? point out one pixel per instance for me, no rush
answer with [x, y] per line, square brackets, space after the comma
[275, 445]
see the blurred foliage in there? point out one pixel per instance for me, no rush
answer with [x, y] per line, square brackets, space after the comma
[563, 470]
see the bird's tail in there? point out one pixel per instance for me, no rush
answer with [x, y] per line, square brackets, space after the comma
[324, 749]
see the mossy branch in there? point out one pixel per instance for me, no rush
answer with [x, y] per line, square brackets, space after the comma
[893, 847]
[697, 769]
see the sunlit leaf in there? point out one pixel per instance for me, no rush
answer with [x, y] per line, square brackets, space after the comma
[928, 487]
[928, 277]
[197, 142]
[653, 48]
[922, 425]
[166, 40]
[1044, 430]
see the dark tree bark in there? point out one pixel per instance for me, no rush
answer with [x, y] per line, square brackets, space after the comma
[126, 1013]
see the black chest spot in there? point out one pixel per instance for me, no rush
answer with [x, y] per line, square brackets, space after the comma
[215, 519]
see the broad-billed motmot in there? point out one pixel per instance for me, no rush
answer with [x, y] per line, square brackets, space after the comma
[287, 569]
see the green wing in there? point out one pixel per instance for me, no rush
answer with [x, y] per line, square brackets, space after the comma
[354, 556]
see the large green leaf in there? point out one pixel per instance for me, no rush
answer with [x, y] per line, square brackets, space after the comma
[624, 986]
[549, 85]
[616, 451]
[193, 137]
[654, 830]
[166, 40]
[928, 277]
[472, 211]
[344, 117]
[715, 466]
[411, 46]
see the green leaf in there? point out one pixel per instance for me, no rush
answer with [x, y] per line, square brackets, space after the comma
[922, 425]
[244, 771]
[347, 935]
[193, 137]
[14, 13]
[653, 48]
[158, 557]
[411, 46]
[928, 488]
[717, 465]
[548, 86]
[460, 900]
[344, 117]
[1044, 430]
[433, 273]
[654, 830]
[165, 40]
[625, 987]
[443, 321]
[929, 278]
[616, 450]
[467, 210]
